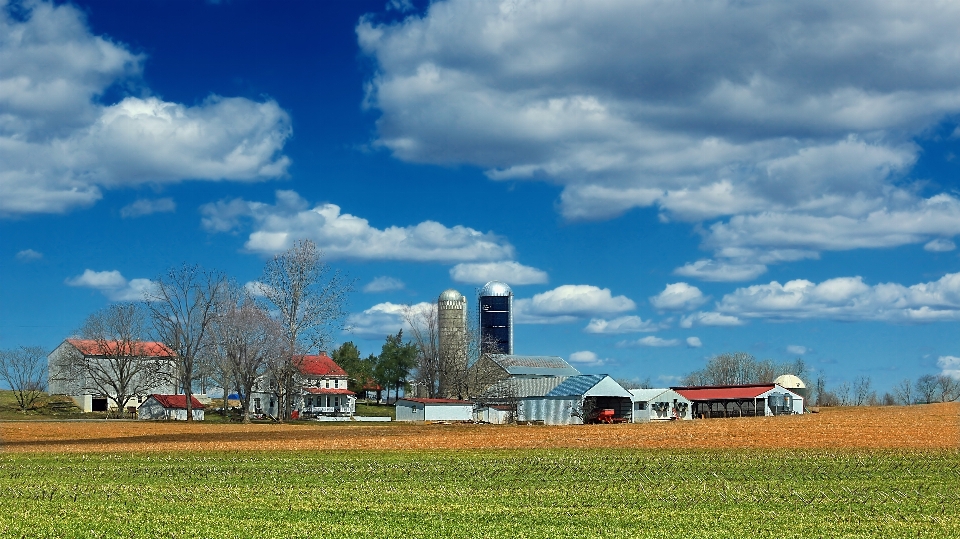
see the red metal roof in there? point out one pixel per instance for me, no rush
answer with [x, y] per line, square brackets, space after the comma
[177, 401]
[327, 391]
[707, 393]
[91, 347]
[319, 365]
[436, 401]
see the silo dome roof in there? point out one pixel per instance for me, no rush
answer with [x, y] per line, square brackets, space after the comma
[451, 295]
[496, 288]
[790, 381]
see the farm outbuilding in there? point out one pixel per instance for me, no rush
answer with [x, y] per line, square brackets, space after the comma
[577, 400]
[659, 404]
[169, 407]
[415, 409]
[742, 400]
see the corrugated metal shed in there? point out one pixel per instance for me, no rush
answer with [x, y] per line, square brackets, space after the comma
[534, 365]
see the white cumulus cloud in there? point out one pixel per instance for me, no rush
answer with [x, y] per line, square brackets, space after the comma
[383, 319]
[940, 245]
[568, 303]
[792, 124]
[678, 297]
[510, 272]
[587, 358]
[60, 146]
[342, 235]
[847, 298]
[141, 207]
[650, 341]
[694, 342]
[709, 319]
[622, 324]
[113, 285]
[28, 255]
[796, 349]
[383, 284]
[949, 365]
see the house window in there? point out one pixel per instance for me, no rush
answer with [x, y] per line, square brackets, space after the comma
[256, 403]
[326, 383]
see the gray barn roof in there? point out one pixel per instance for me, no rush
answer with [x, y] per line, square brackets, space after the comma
[534, 365]
[524, 387]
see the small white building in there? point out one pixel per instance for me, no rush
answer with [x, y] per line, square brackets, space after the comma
[169, 407]
[660, 404]
[415, 409]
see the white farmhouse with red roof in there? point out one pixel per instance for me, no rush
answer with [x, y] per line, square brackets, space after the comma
[70, 364]
[322, 391]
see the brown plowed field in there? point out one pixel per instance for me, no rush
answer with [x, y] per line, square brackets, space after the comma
[934, 426]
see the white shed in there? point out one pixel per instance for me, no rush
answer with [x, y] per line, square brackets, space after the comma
[659, 404]
[169, 407]
[414, 409]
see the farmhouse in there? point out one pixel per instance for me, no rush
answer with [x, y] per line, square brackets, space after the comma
[169, 407]
[576, 400]
[80, 369]
[414, 409]
[659, 404]
[741, 400]
[321, 390]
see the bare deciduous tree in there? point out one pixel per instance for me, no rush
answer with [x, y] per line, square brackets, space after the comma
[741, 368]
[926, 389]
[948, 388]
[311, 302]
[903, 392]
[248, 340]
[183, 304]
[430, 372]
[23, 370]
[861, 391]
[123, 364]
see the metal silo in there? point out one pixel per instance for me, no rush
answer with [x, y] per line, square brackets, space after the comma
[452, 325]
[496, 318]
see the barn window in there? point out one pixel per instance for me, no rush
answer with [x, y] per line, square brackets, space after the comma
[641, 405]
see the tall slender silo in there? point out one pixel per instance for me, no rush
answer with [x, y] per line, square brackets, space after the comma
[496, 318]
[452, 326]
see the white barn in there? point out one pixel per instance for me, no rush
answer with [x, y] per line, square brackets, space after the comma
[415, 409]
[659, 404]
[169, 407]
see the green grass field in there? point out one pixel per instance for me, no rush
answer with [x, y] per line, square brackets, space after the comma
[515, 494]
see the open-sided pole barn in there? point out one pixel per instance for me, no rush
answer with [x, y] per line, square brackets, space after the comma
[742, 400]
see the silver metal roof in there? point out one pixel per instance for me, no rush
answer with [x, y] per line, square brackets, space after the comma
[534, 365]
[521, 387]
[496, 288]
[451, 295]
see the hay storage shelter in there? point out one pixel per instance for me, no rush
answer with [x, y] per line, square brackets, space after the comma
[741, 400]
[659, 405]
[415, 409]
[169, 407]
[576, 400]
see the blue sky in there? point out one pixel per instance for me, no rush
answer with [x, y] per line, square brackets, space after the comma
[659, 182]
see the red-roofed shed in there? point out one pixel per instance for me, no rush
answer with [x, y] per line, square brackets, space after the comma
[741, 400]
[169, 407]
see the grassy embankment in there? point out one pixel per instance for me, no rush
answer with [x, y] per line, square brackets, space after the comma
[515, 494]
